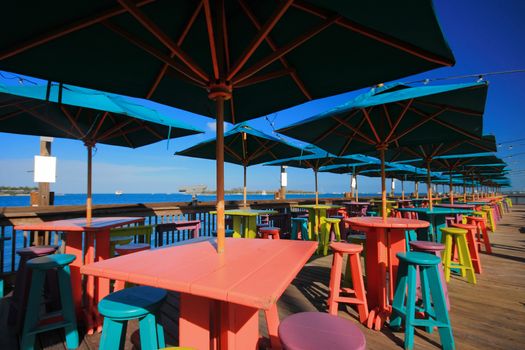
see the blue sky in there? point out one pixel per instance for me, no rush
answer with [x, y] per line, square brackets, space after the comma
[485, 36]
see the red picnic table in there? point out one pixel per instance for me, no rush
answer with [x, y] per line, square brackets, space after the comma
[384, 239]
[220, 294]
[95, 250]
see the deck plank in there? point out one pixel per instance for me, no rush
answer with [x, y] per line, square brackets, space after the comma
[489, 315]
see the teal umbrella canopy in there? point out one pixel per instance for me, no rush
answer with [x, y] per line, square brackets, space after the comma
[83, 114]
[246, 146]
[88, 115]
[231, 60]
[269, 55]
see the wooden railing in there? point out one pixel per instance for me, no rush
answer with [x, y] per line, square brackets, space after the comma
[154, 213]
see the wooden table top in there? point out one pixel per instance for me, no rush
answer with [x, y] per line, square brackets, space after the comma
[80, 224]
[251, 272]
[374, 221]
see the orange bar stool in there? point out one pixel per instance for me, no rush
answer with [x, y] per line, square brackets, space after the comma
[317, 330]
[482, 236]
[358, 290]
[455, 237]
[270, 232]
[472, 245]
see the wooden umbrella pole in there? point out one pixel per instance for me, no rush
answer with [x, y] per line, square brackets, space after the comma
[429, 186]
[383, 184]
[351, 185]
[402, 190]
[451, 189]
[220, 173]
[244, 189]
[316, 193]
[416, 188]
[89, 203]
[356, 190]
[464, 190]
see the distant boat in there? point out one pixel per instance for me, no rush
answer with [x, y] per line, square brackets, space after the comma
[118, 192]
[263, 192]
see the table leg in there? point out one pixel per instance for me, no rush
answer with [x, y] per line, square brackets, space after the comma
[239, 327]
[376, 266]
[251, 225]
[237, 226]
[272, 323]
[90, 283]
[102, 284]
[73, 241]
[194, 322]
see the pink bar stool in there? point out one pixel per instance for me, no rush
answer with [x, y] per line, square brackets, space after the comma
[126, 249]
[267, 232]
[472, 245]
[317, 330]
[436, 249]
[358, 290]
[482, 236]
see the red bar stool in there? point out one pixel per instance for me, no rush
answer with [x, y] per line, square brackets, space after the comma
[317, 330]
[126, 249]
[482, 236]
[358, 290]
[267, 232]
[472, 245]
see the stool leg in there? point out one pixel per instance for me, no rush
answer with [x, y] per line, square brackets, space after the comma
[445, 333]
[148, 332]
[425, 295]
[466, 261]
[27, 339]
[66, 300]
[110, 339]
[335, 283]
[410, 308]
[295, 227]
[359, 286]
[462, 256]
[398, 304]
[474, 255]
[337, 232]
[486, 239]
[160, 332]
[304, 231]
[447, 257]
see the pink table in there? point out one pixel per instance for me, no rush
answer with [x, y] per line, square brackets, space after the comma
[96, 250]
[225, 291]
[384, 239]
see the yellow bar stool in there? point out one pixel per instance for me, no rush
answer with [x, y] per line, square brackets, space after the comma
[330, 225]
[490, 217]
[456, 238]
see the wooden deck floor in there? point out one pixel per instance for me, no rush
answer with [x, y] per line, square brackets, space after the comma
[489, 315]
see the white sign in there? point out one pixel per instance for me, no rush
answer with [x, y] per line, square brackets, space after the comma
[284, 179]
[393, 184]
[354, 182]
[45, 169]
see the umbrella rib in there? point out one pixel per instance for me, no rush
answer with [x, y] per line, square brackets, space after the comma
[67, 29]
[403, 113]
[269, 76]
[418, 124]
[150, 25]
[259, 38]
[389, 120]
[99, 124]
[465, 111]
[14, 101]
[283, 50]
[232, 153]
[367, 117]
[122, 132]
[211, 39]
[114, 128]
[21, 110]
[351, 138]
[376, 35]
[265, 148]
[335, 127]
[155, 53]
[182, 37]
[356, 131]
[273, 46]
[72, 120]
[47, 121]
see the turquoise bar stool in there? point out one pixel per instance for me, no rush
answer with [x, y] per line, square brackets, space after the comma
[32, 325]
[433, 305]
[300, 225]
[371, 213]
[142, 303]
[227, 233]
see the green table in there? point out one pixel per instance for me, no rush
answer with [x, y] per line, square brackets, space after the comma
[316, 216]
[245, 221]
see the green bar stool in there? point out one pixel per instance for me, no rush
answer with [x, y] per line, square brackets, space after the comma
[33, 322]
[433, 304]
[457, 238]
[300, 225]
[330, 225]
[142, 303]
[371, 213]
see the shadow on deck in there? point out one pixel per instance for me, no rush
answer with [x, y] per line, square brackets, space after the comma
[489, 315]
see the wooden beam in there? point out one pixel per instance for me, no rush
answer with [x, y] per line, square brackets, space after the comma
[403, 113]
[211, 39]
[260, 37]
[67, 29]
[265, 77]
[158, 33]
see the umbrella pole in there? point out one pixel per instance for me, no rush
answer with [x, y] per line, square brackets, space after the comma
[402, 190]
[351, 185]
[416, 188]
[244, 189]
[451, 189]
[89, 173]
[429, 186]
[316, 193]
[356, 190]
[383, 180]
[219, 152]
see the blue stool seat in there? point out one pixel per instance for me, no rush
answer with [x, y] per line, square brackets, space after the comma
[433, 305]
[32, 320]
[141, 303]
[300, 224]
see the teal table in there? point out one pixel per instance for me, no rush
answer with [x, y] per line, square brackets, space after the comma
[437, 219]
[245, 221]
